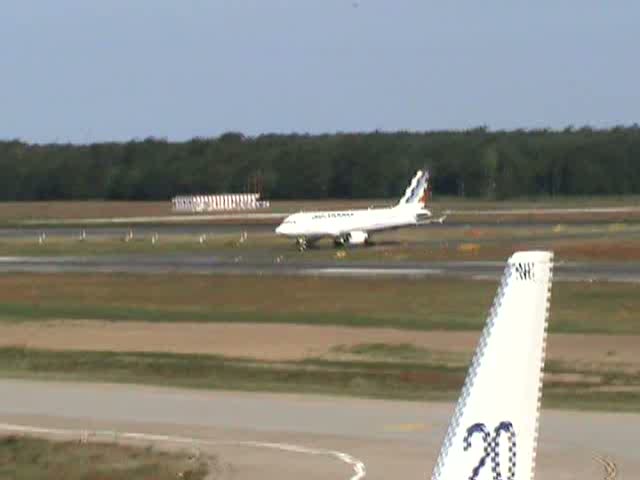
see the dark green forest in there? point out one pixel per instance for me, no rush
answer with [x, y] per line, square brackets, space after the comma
[472, 163]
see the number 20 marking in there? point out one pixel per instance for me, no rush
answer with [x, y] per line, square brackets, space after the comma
[492, 449]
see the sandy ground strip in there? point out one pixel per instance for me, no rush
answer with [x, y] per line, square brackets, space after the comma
[277, 342]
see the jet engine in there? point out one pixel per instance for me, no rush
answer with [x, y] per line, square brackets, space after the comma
[357, 238]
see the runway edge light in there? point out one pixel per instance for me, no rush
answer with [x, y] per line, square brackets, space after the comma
[494, 430]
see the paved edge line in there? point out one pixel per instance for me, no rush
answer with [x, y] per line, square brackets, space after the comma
[610, 468]
[358, 466]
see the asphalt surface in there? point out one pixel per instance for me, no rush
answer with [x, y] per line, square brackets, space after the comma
[544, 216]
[264, 436]
[205, 264]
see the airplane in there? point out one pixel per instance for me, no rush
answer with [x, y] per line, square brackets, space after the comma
[493, 433]
[354, 227]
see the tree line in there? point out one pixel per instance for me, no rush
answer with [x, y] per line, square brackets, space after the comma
[471, 163]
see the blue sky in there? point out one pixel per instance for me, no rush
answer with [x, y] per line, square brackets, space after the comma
[84, 71]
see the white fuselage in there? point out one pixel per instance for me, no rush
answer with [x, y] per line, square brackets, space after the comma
[313, 225]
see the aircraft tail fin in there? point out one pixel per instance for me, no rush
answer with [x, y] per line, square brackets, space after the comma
[418, 192]
[495, 424]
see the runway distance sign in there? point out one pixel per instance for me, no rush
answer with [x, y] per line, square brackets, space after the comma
[492, 449]
[525, 271]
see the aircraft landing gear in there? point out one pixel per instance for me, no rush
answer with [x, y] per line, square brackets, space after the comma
[301, 243]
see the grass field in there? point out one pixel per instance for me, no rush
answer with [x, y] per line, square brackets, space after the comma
[606, 242]
[224, 243]
[11, 212]
[380, 370]
[427, 304]
[27, 458]
[394, 377]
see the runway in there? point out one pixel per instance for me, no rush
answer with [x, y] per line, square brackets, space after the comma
[390, 439]
[479, 217]
[259, 264]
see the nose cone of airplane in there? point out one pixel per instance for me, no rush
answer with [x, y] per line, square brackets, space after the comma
[286, 228]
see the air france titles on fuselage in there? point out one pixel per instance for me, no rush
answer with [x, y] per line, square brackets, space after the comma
[322, 216]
